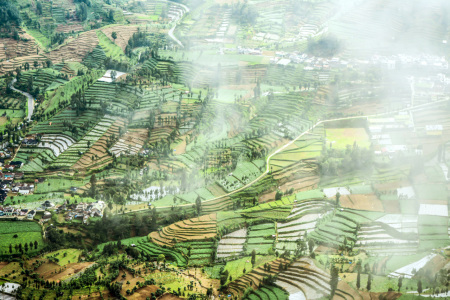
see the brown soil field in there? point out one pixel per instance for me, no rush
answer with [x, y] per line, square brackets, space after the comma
[99, 149]
[69, 28]
[377, 296]
[132, 279]
[143, 293]
[12, 64]
[9, 267]
[362, 202]
[124, 33]
[169, 297]
[48, 268]
[10, 48]
[94, 296]
[132, 140]
[392, 207]
[342, 285]
[69, 271]
[433, 266]
[76, 49]
[3, 264]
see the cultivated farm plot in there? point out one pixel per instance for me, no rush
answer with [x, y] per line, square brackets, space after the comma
[244, 173]
[58, 143]
[26, 231]
[361, 202]
[69, 157]
[97, 156]
[304, 277]
[261, 238]
[196, 229]
[130, 143]
[76, 49]
[232, 243]
[339, 138]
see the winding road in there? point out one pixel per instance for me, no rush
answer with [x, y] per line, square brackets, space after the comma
[186, 10]
[308, 131]
[30, 99]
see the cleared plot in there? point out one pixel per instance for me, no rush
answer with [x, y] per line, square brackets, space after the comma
[124, 33]
[76, 49]
[361, 202]
[339, 138]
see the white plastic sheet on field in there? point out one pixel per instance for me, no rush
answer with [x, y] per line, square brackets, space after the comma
[331, 192]
[407, 271]
[434, 210]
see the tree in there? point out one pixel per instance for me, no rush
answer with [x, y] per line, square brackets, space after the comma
[113, 75]
[338, 196]
[400, 283]
[358, 279]
[39, 8]
[161, 258]
[253, 258]
[334, 280]
[93, 182]
[114, 36]
[198, 205]
[419, 287]
[369, 282]
[311, 245]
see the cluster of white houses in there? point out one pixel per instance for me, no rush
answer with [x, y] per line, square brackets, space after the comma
[79, 211]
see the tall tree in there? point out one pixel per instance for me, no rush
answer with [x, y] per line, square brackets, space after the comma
[253, 258]
[400, 283]
[198, 204]
[93, 182]
[358, 279]
[334, 280]
[419, 287]
[369, 282]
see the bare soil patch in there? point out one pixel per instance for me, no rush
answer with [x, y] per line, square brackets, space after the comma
[362, 202]
[67, 271]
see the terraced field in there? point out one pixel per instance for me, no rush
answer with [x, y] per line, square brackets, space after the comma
[197, 229]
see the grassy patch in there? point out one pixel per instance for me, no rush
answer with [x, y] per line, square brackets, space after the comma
[110, 48]
[236, 268]
[341, 137]
[19, 232]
